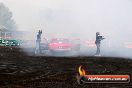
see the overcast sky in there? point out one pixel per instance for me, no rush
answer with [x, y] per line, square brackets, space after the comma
[73, 16]
[28, 13]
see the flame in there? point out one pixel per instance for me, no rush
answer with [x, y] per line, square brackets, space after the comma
[81, 71]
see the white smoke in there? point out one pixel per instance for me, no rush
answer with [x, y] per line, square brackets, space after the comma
[78, 18]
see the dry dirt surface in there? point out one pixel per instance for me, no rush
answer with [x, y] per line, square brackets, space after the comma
[18, 70]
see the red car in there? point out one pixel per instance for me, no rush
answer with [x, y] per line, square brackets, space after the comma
[60, 45]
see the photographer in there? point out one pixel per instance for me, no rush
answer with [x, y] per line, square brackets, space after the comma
[97, 42]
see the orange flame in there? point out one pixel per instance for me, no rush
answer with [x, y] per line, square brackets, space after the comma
[81, 71]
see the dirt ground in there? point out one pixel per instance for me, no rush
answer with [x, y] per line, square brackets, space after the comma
[18, 70]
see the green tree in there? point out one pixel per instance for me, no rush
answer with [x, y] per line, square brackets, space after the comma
[6, 20]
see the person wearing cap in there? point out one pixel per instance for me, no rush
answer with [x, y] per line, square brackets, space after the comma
[98, 42]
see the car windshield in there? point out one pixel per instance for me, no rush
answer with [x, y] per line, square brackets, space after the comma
[60, 40]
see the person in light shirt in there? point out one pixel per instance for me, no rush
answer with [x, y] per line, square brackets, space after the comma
[38, 41]
[98, 42]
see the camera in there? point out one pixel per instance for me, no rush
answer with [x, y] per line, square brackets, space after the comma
[101, 37]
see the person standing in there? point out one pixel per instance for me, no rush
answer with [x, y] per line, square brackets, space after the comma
[98, 42]
[38, 41]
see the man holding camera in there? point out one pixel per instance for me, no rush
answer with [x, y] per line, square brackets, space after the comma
[97, 42]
